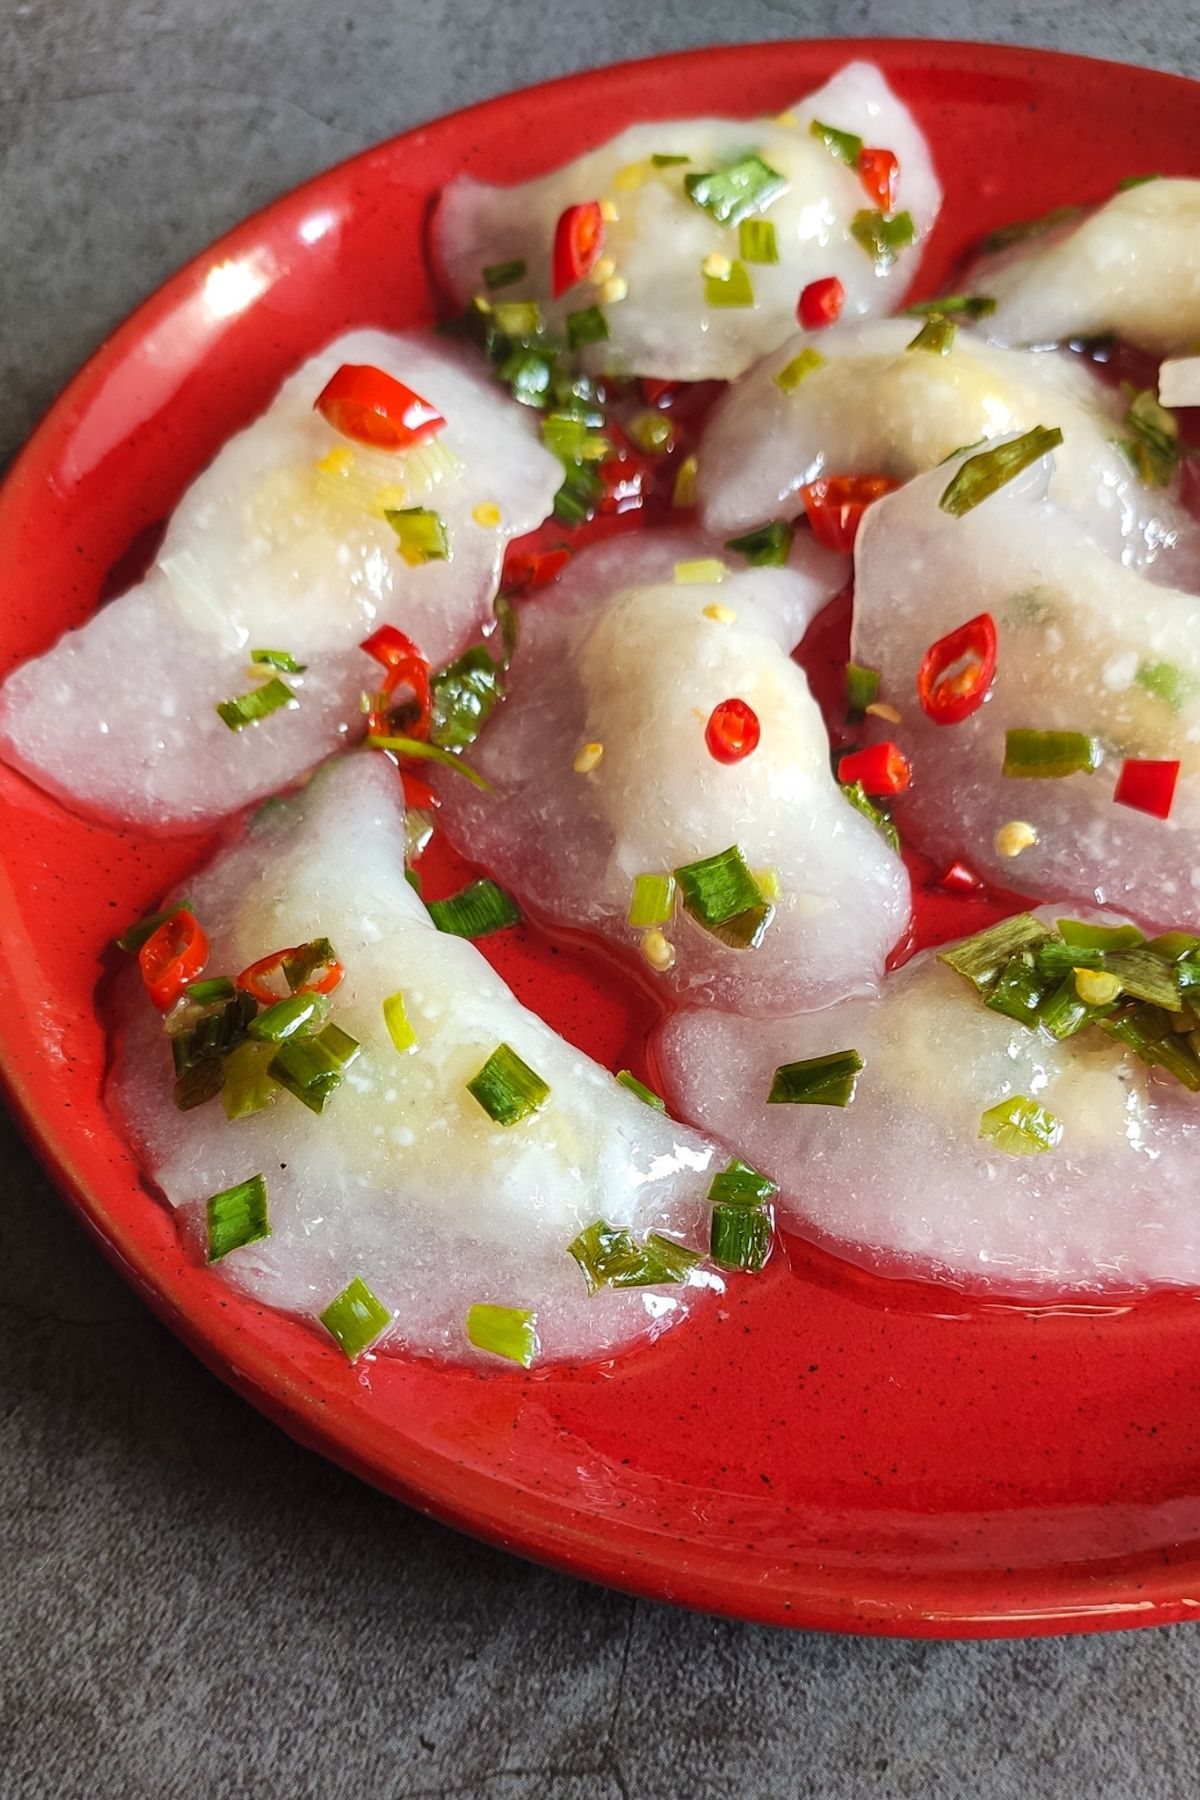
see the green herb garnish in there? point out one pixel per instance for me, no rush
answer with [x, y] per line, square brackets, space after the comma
[421, 535]
[504, 1331]
[652, 901]
[985, 473]
[475, 911]
[464, 694]
[843, 144]
[817, 1081]
[610, 1256]
[503, 274]
[1049, 755]
[732, 194]
[766, 548]
[756, 241]
[237, 1216]
[734, 289]
[799, 369]
[587, 326]
[507, 1088]
[628, 1080]
[722, 895]
[881, 236]
[969, 306]
[283, 660]
[248, 709]
[1020, 1127]
[936, 336]
[355, 1319]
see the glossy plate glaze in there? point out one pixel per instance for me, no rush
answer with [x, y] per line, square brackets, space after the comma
[827, 1449]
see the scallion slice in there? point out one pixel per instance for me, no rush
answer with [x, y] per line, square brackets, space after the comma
[464, 693]
[629, 1080]
[732, 194]
[1154, 448]
[733, 289]
[842, 144]
[610, 1256]
[134, 936]
[1020, 1127]
[936, 335]
[722, 895]
[662, 159]
[981, 957]
[860, 800]
[970, 306]
[403, 1037]
[421, 751]
[756, 241]
[1169, 682]
[214, 1032]
[740, 1238]
[985, 473]
[302, 963]
[248, 709]
[1173, 946]
[799, 369]
[766, 548]
[1145, 976]
[312, 1068]
[1064, 1012]
[529, 373]
[215, 987]
[881, 236]
[475, 911]
[506, 619]
[862, 687]
[283, 660]
[1049, 755]
[507, 1088]
[356, 1319]
[503, 274]
[738, 1184]
[1019, 991]
[1099, 937]
[817, 1081]
[200, 1083]
[652, 901]
[506, 1331]
[248, 1088]
[1147, 1032]
[587, 326]
[421, 535]
[237, 1216]
[289, 1018]
[519, 319]
[1056, 959]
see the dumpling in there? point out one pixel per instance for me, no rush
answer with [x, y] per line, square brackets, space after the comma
[602, 770]
[663, 316]
[404, 1183]
[974, 1149]
[1084, 647]
[281, 546]
[871, 404]
[1129, 269]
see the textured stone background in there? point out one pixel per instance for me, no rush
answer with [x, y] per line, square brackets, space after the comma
[190, 1605]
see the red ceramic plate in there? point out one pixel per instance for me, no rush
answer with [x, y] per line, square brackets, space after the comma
[832, 1450]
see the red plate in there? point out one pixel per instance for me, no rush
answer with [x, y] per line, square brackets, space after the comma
[833, 1450]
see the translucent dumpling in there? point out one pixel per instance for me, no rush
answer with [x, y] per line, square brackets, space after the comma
[405, 1182]
[603, 771]
[974, 1149]
[281, 545]
[664, 317]
[1084, 646]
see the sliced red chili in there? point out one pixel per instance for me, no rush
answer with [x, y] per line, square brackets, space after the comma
[732, 731]
[820, 303]
[268, 982]
[525, 570]
[959, 879]
[881, 768]
[172, 956]
[957, 672]
[405, 667]
[418, 793]
[835, 505]
[1147, 786]
[879, 171]
[364, 403]
[578, 237]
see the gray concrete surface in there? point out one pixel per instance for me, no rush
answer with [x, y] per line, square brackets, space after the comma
[189, 1605]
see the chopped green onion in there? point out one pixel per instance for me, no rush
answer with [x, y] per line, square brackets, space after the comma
[653, 900]
[247, 709]
[503, 274]
[1019, 992]
[1145, 976]
[399, 1029]
[663, 160]
[216, 987]
[302, 963]
[421, 534]
[1065, 1011]
[740, 1238]
[1154, 448]
[862, 687]
[506, 618]
[289, 1018]
[1056, 959]
[629, 1080]
[355, 1319]
[882, 237]
[610, 1256]
[1049, 755]
[504, 1331]
[312, 1068]
[520, 319]
[573, 439]
[423, 752]
[529, 374]
[699, 573]
[134, 936]
[507, 1088]
[971, 306]
[283, 660]
[981, 957]
[842, 144]
[1147, 1032]
[237, 1216]
[1169, 682]
[199, 1084]
[1099, 937]
[722, 895]
[985, 473]
[817, 1081]
[413, 878]
[860, 800]
[766, 548]
[464, 694]
[1027, 228]
[214, 1032]
[734, 289]
[1173, 946]
[587, 326]
[936, 335]
[756, 241]
[799, 369]
[475, 911]
[1020, 1127]
[248, 1088]
[738, 1184]
[731, 194]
